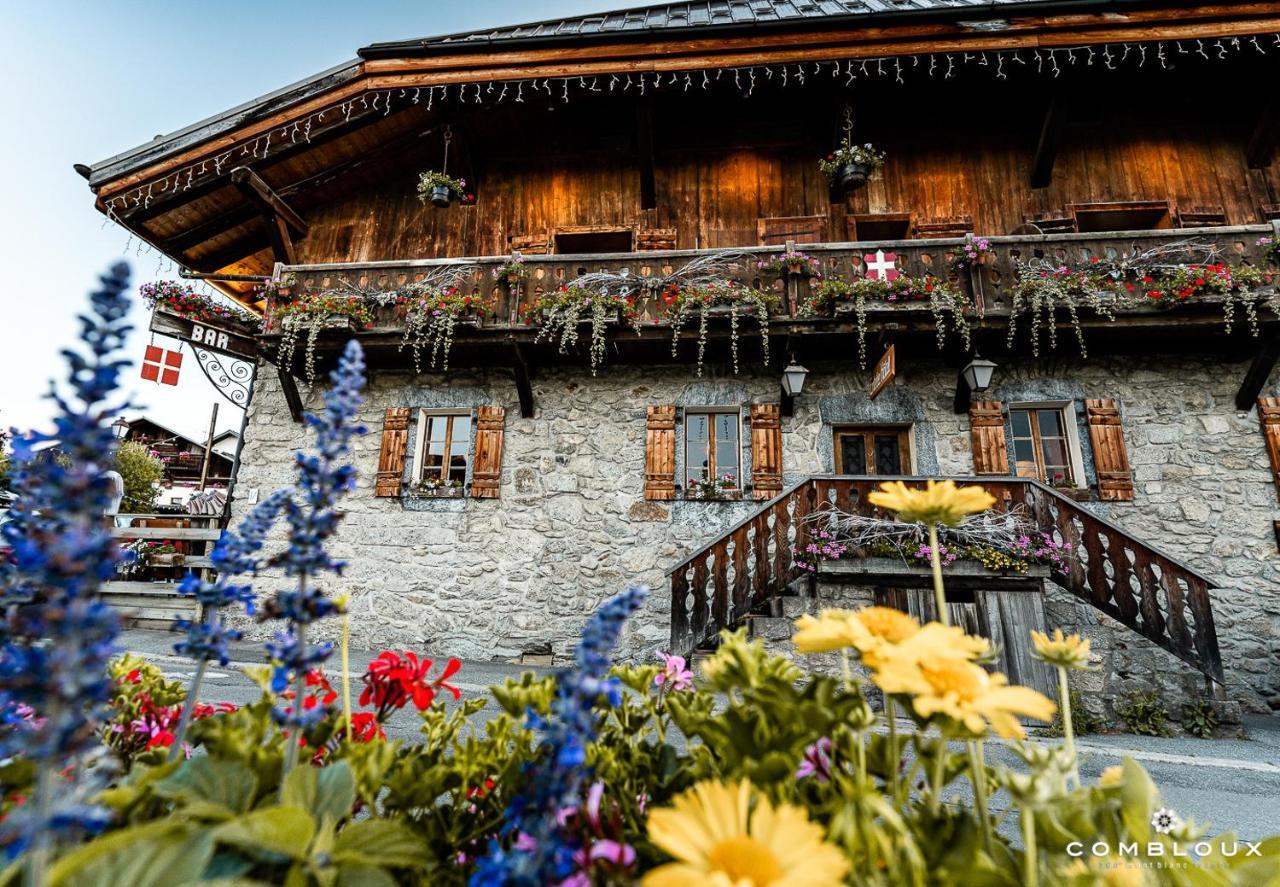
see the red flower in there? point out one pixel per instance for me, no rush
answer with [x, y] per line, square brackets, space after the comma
[1093, 260]
[162, 737]
[134, 677]
[391, 681]
[1146, 279]
[365, 727]
[1199, 281]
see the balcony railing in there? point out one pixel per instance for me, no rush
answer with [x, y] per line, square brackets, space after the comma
[986, 286]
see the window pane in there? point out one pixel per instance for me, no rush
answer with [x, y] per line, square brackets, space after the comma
[696, 426]
[1050, 422]
[888, 454]
[461, 441]
[727, 427]
[1024, 450]
[1021, 423]
[853, 454]
[438, 427]
[727, 459]
[1055, 451]
[699, 461]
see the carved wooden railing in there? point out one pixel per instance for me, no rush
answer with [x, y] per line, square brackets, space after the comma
[987, 285]
[1149, 592]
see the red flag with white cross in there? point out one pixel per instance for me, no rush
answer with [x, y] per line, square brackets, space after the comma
[159, 365]
[881, 265]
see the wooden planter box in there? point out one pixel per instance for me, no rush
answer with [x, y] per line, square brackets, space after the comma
[332, 322]
[436, 493]
[892, 572]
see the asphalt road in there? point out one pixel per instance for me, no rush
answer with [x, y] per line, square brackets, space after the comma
[1233, 784]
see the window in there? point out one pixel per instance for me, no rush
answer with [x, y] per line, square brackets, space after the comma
[1045, 444]
[872, 449]
[444, 449]
[580, 241]
[712, 450]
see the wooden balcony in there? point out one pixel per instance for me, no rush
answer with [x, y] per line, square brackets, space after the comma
[1146, 590]
[153, 601]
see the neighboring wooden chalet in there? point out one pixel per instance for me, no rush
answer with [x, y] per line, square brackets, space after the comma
[185, 466]
[640, 306]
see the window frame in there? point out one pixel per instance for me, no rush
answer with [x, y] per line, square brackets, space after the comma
[419, 468]
[1071, 433]
[688, 413]
[868, 432]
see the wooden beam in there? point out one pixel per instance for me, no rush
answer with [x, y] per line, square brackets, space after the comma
[1258, 373]
[291, 396]
[281, 242]
[211, 228]
[1055, 116]
[258, 192]
[524, 384]
[644, 156]
[1266, 133]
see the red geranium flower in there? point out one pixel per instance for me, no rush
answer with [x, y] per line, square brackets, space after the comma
[393, 679]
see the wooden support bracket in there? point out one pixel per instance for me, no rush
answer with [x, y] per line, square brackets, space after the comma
[291, 396]
[282, 221]
[1055, 117]
[524, 383]
[1258, 373]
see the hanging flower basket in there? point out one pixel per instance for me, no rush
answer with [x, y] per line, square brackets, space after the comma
[441, 190]
[430, 318]
[724, 299]
[560, 314]
[849, 166]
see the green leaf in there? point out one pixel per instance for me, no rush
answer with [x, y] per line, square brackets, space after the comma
[330, 791]
[285, 831]
[113, 841]
[1138, 799]
[364, 876]
[380, 842]
[211, 788]
[164, 860]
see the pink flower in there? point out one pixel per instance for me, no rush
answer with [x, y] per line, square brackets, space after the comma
[817, 761]
[674, 672]
[611, 851]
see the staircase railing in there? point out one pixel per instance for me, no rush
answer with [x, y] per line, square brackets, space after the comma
[1151, 593]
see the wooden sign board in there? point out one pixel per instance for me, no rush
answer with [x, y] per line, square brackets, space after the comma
[883, 373]
[205, 335]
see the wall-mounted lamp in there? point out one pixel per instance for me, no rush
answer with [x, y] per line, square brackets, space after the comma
[974, 378]
[792, 384]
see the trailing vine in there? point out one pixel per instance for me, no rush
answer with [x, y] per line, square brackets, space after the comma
[312, 315]
[430, 319]
[945, 302]
[680, 303]
[560, 313]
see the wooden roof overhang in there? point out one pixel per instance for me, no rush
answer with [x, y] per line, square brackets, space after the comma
[320, 138]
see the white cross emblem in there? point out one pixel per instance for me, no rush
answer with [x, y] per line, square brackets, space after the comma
[881, 266]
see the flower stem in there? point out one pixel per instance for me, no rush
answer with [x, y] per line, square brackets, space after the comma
[1030, 860]
[1068, 730]
[939, 595]
[935, 778]
[895, 756]
[978, 774]
[346, 673]
[188, 706]
[299, 690]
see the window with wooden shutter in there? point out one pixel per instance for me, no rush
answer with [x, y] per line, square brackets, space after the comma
[660, 454]
[986, 431]
[486, 474]
[395, 439]
[766, 450]
[1110, 457]
[1269, 415]
[779, 230]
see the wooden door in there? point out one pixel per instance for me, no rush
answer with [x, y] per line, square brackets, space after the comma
[873, 449]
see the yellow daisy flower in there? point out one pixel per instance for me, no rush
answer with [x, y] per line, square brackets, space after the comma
[897, 666]
[1111, 776]
[1070, 651]
[831, 630]
[971, 696]
[719, 841]
[938, 503]
[886, 624]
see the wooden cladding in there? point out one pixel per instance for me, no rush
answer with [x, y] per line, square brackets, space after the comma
[486, 474]
[799, 229]
[986, 430]
[766, 450]
[1110, 457]
[395, 440]
[649, 239]
[660, 454]
[1269, 415]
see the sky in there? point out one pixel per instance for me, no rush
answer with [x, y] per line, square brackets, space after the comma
[86, 80]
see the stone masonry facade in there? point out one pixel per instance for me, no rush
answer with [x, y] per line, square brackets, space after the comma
[498, 578]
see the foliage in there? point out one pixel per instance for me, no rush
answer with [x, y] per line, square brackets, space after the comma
[559, 314]
[867, 155]
[713, 488]
[730, 298]
[1082, 721]
[141, 471]
[433, 179]
[1200, 719]
[1108, 286]
[1271, 247]
[974, 252]
[513, 268]
[791, 262]
[1144, 714]
[430, 318]
[183, 300]
[835, 295]
[313, 314]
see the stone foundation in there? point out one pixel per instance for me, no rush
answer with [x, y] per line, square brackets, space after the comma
[505, 578]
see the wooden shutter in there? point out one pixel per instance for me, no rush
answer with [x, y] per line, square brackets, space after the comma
[395, 438]
[1110, 458]
[766, 450]
[649, 239]
[986, 431]
[486, 471]
[660, 454]
[1269, 415]
[779, 230]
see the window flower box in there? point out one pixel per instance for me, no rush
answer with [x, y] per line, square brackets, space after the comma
[436, 490]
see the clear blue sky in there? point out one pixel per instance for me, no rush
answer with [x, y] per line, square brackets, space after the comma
[86, 80]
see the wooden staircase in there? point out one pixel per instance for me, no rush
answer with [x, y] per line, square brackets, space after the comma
[750, 567]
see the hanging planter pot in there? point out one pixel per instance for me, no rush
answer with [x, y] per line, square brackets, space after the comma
[441, 196]
[851, 176]
[440, 189]
[849, 166]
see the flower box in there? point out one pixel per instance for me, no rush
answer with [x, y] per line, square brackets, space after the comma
[442, 491]
[726, 496]
[173, 559]
[332, 322]
[893, 572]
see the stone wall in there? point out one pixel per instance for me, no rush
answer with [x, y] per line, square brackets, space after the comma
[498, 578]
